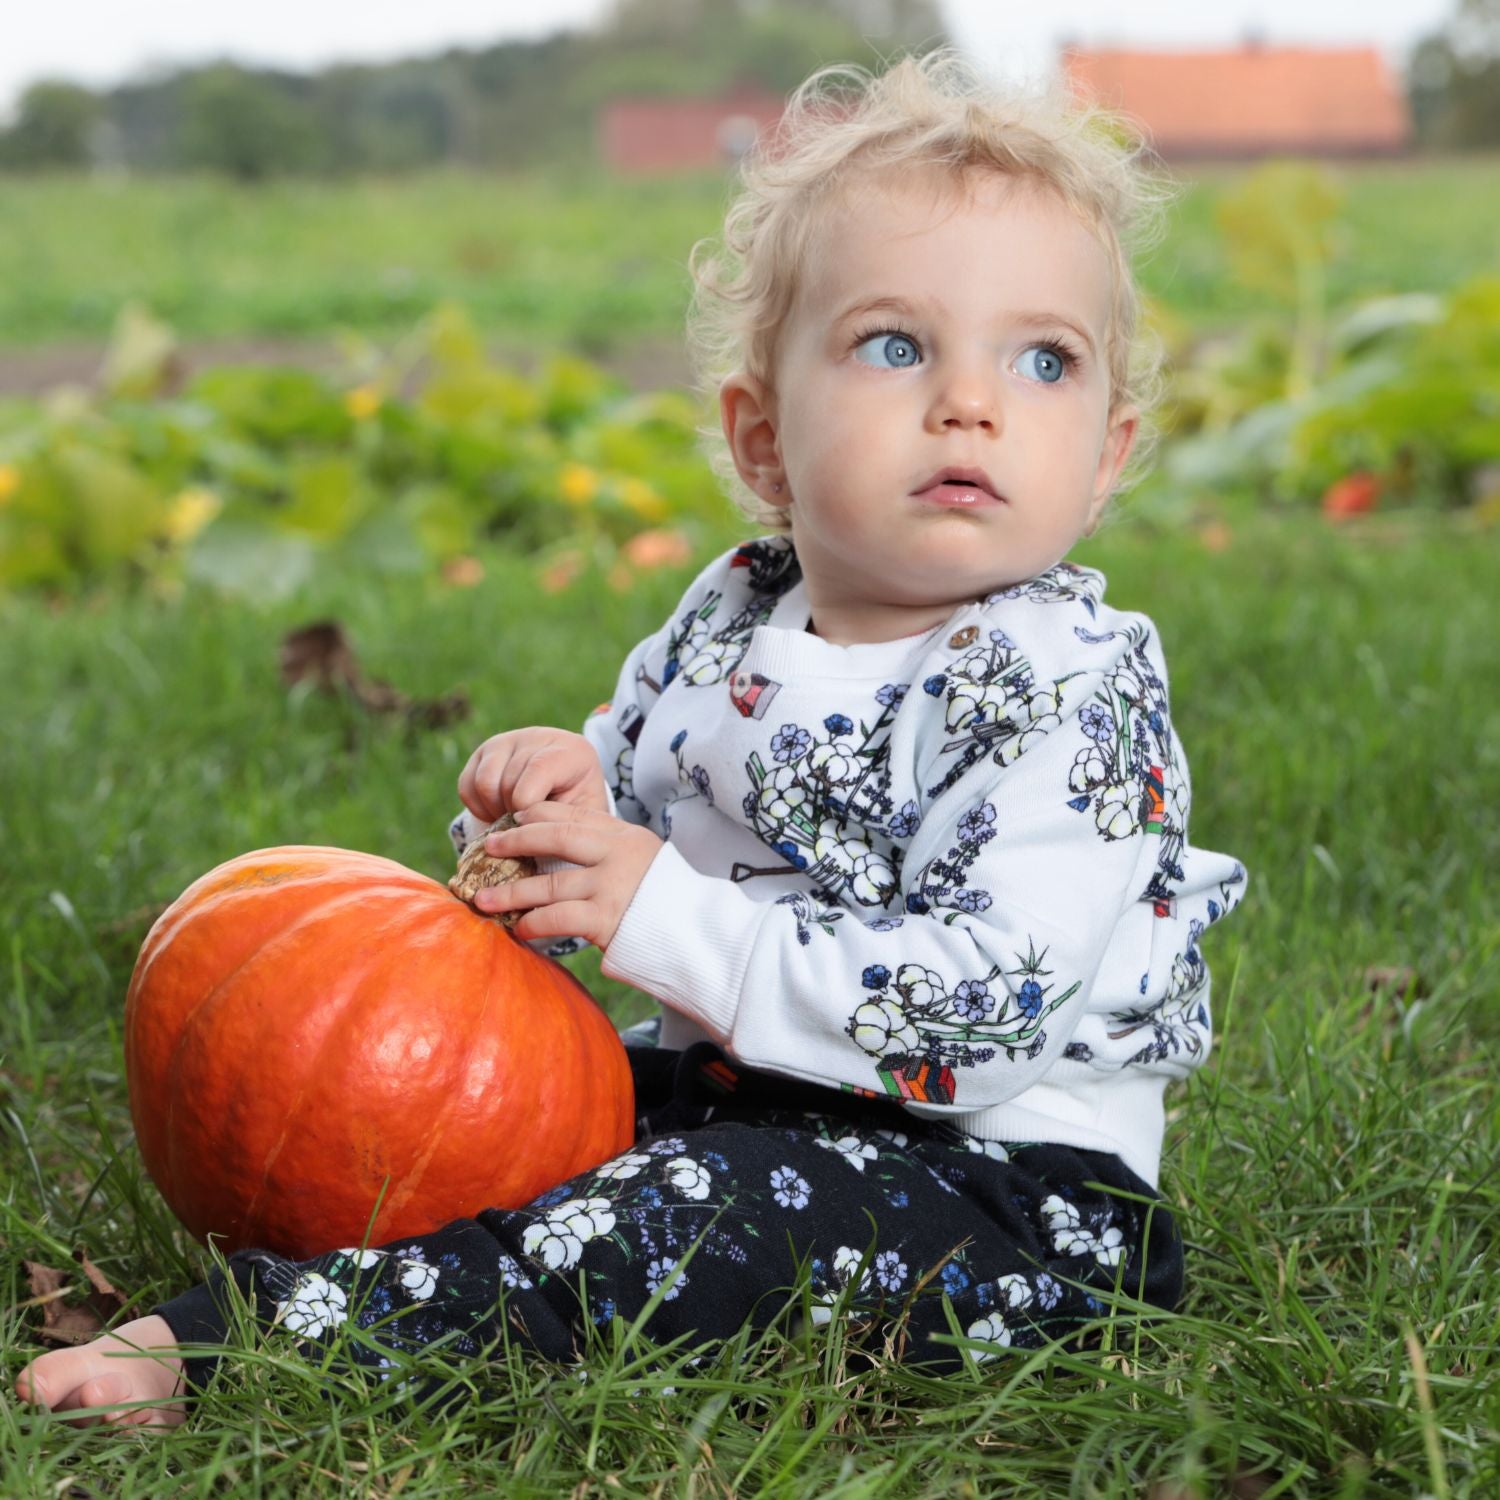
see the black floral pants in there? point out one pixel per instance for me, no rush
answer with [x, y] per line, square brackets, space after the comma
[737, 1181]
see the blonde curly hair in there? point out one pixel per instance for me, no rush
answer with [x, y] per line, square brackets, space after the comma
[930, 111]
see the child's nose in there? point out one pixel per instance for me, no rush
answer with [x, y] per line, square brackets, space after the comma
[969, 397]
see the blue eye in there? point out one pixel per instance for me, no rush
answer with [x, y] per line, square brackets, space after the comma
[1051, 364]
[892, 351]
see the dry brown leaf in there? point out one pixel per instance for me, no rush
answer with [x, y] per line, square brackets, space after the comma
[1398, 978]
[64, 1324]
[322, 655]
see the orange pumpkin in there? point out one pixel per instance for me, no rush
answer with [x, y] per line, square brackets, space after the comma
[309, 1031]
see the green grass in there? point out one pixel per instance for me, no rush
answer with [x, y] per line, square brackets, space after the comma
[561, 258]
[1333, 1166]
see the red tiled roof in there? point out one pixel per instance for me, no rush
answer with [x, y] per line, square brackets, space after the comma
[1251, 100]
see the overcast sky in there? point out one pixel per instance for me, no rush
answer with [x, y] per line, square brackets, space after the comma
[102, 42]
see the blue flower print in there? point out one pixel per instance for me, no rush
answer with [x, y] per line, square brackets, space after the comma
[955, 1278]
[791, 1190]
[547, 1199]
[915, 904]
[972, 901]
[972, 999]
[750, 806]
[651, 1197]
[1002, 640]
[890, 1270]
[1048, 1290]
[658, 1271]
[1213, 911]
[935, 684]
[885, 924]
[891, 694]
[876, 977]
[978, 825]
[1037, 1047]
[905, 823]
[838, 724]
[898, 1199]
[677, 740]
[1030, 998]
[714, 1160]
[791, 853]
[699, 779]
[604, 1312]
[790, 742]
[1096, 722]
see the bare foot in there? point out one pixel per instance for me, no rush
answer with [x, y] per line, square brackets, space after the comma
[111, 1373]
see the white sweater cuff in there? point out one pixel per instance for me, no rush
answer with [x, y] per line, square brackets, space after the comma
[686, 939]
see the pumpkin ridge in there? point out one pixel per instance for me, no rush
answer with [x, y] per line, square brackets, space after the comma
[321, 909]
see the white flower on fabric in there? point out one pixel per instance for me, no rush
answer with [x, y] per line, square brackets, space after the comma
[1011, 750]
[559, 1239]
[710, 665]
[835, 763]
[1117, 815]
[1070, 1237]
[890, 1270]
[846, 1262]
[511, 1273]
[969, 700]
[1012, 1293]
[689, 1177]
[919, 986]
[871, 880]
[363, 1259]
[897, 1138]
[880, 1026]
[992, 1149]
[854, 1151]
[1089, 770]
[781, 794]
[672, 1145]
[658, 1271]
[316, 1304]
[840, 853]
[791, 1188]
[419, 1280]
[624, 1166]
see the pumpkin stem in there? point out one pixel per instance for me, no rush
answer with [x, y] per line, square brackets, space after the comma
[477, 870]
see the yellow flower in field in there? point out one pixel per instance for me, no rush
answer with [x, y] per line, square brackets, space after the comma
[362, 402]
[10, 482]
[190, 511]
[642, 499]
[578, 483]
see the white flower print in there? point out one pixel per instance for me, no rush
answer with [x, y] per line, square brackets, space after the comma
[672, 1145]
[363, 1259]
[511, 1273]
[315, 1305]
[890, 1270]
[419, 1280]
[710, 665]
[993, 1149]
[845, 1263]
[897, 1138]
[559, 1239]
[791, 1189]
[624, 1166]
[689, 1177]
[854, 1151]
[836, 763]
[880, 1026]
[1089, 770]
[658, 1271]
[1012, 1293]
[781, 794]
[1070, 1237]
[1117, 816]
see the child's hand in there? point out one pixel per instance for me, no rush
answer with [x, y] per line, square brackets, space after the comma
[91, 1376]
[522, 767]
[588, 902]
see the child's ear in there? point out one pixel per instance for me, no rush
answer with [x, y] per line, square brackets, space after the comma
[748, 414]
[1124, 424]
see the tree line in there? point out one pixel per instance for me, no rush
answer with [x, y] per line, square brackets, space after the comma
[529, 103]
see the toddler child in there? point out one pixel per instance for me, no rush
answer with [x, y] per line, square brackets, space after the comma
[889, 815]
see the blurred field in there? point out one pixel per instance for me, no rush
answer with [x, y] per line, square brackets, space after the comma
[588, 263]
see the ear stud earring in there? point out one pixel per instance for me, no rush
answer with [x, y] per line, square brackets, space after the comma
[776, 488]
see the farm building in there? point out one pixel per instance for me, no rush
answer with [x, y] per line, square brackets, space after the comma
[1249, 101]
[643, 136]
[1255, 100]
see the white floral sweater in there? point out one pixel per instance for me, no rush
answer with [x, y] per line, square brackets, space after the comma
[951, 868]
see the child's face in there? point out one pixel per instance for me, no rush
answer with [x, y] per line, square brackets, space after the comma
[869, 404]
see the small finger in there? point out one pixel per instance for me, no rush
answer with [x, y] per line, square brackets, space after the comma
[531, 891]
[565, 919]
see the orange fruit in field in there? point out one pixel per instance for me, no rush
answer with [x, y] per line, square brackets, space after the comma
[310, 1032]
